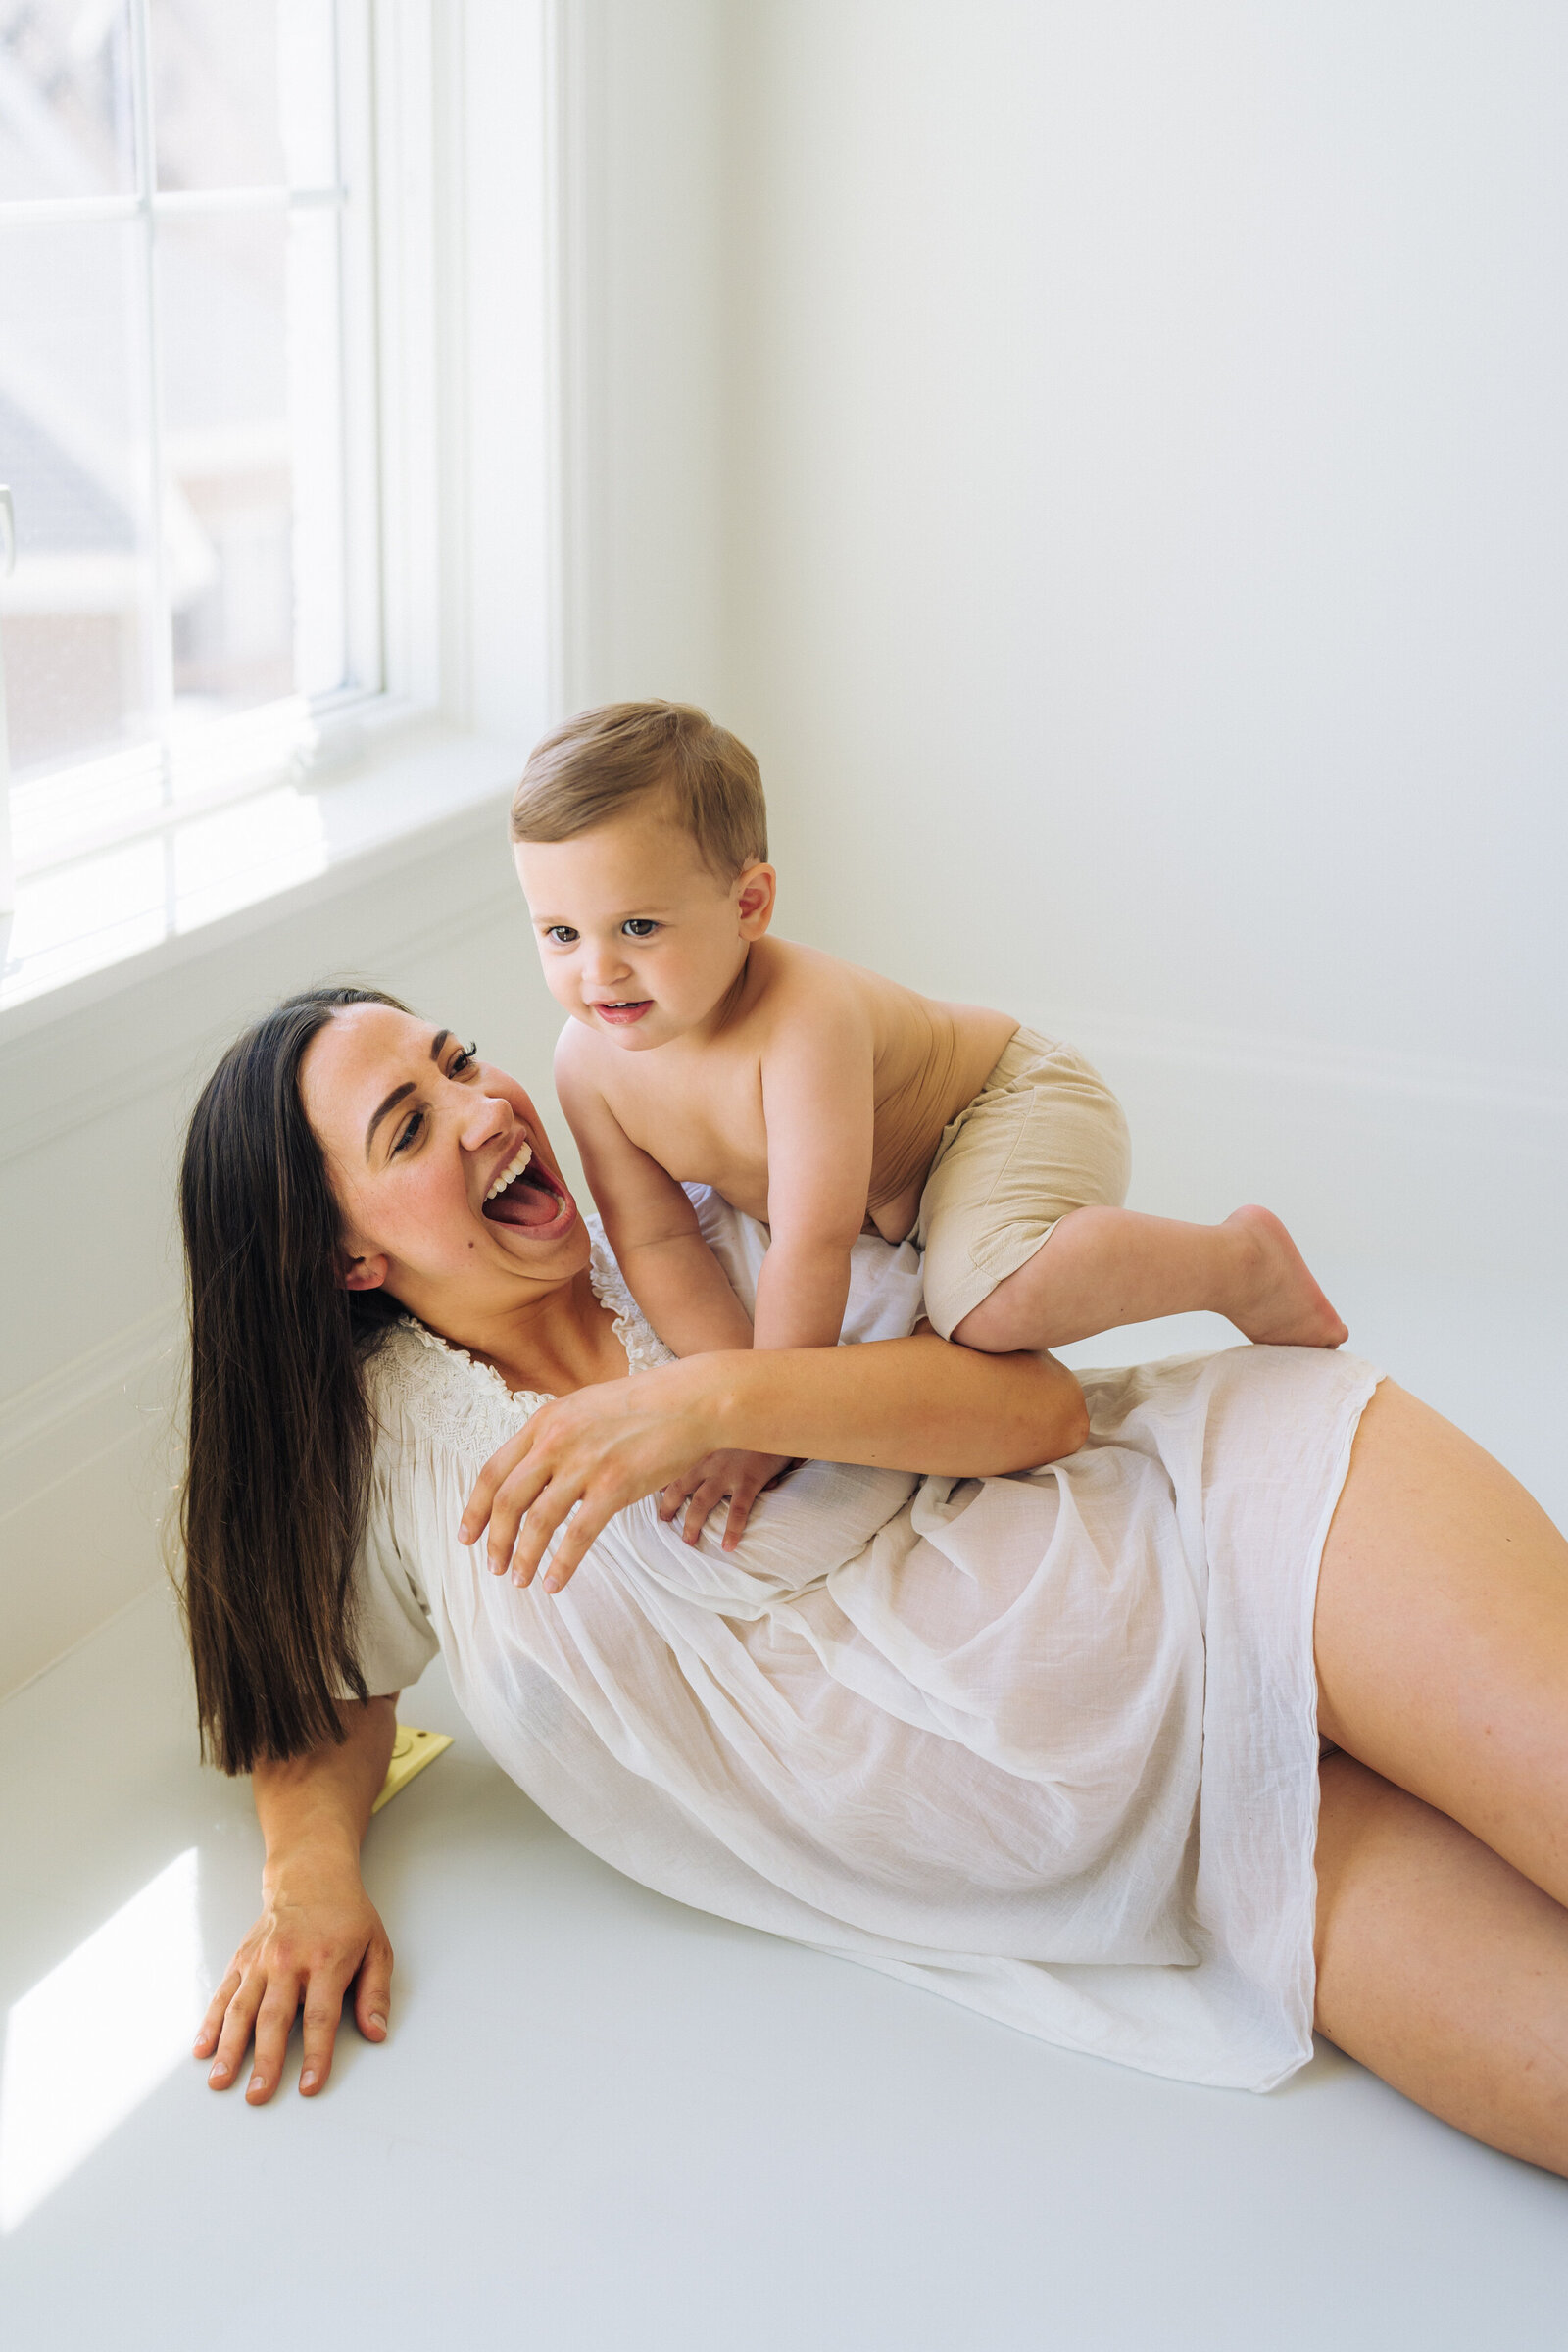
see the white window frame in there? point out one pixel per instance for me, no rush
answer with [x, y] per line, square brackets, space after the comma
[465, 289]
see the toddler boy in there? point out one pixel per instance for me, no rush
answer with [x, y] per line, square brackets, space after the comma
[822, 1099]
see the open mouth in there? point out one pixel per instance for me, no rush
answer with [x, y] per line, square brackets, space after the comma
[630, 1010]
[524, 1193]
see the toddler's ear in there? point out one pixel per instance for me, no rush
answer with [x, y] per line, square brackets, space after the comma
[756, 891]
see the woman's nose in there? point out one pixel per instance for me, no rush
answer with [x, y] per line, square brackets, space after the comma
[491, 1115]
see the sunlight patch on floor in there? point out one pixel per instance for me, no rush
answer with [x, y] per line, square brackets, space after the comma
[96, 2036]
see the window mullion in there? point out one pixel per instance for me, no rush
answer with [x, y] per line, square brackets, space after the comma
[158, 628]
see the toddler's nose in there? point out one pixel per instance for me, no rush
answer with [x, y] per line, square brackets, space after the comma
[603, 964]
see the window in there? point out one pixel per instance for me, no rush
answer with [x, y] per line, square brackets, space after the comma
[188, 430]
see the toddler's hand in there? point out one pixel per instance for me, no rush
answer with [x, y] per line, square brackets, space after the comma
[739, 1476]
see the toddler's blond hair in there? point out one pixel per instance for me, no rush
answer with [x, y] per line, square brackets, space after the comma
[599, 765]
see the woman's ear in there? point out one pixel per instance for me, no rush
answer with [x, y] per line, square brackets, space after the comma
[362, 1273]
[756, 890]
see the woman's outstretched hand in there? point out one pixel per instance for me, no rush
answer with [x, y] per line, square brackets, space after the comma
[317, 1934]
[586, 1456]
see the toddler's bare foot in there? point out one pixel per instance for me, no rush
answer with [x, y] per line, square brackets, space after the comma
[1277, 1302]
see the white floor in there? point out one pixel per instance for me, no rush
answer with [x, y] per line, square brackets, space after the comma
[604, 2121]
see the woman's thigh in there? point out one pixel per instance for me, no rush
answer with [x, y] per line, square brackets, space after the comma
[1442, 1634]
[1441, 1967]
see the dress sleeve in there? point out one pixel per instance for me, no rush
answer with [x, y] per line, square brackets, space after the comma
[394, 1640]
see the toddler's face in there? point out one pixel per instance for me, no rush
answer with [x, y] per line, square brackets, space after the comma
[638, 939]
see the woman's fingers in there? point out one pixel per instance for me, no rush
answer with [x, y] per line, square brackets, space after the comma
[274, 2021]
[587, 1526]
[510, 1508]
[472, 1526]
[211, 2025]
[373, 1990]
[324, 2014]
[234, 2034]
[547, 1514]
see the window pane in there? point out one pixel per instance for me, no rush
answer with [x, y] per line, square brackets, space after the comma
[82, 647]
[253, 457]
[243, 95]
[65, 98]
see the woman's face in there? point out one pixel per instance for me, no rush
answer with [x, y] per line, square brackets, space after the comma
[451, 1198]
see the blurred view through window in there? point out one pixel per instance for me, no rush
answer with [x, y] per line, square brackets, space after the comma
[186, 427]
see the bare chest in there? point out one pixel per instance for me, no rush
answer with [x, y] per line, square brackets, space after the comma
[702, 1120]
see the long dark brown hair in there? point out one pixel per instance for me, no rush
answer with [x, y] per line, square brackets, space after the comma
[280, 1431]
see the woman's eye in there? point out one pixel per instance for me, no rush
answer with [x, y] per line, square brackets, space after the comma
[409, 1134]
[562, 935]
[640, 926]
[464, 1061]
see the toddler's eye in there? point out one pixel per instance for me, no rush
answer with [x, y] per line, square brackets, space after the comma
[640, 926]
[562, 935]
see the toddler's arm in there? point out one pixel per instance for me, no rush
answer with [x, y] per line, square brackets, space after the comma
[652, 1227]
[817, 1103]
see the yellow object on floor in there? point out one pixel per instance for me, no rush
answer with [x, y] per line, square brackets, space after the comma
[412, 1752]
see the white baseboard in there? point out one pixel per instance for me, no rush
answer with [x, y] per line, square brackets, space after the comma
[1373, 1157]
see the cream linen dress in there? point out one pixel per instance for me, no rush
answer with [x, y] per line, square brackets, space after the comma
[1045, 1744]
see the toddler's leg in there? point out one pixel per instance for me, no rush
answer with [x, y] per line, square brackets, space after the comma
[1101, 1267]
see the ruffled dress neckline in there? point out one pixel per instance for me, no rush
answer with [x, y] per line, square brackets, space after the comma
[644, 1348]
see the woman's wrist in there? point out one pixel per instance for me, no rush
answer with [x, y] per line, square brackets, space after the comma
[321, 1851]
[717, 1382]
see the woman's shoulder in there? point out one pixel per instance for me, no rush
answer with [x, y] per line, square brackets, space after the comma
[422, 1390]
[644, 1348]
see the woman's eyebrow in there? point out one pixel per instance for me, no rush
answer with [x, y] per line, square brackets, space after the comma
[400, 1092]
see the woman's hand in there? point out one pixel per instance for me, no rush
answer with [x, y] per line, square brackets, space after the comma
[317, 1934]
[587, 1457]
[919, 1405]
[736, 1476]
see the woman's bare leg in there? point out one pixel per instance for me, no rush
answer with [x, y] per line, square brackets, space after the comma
[1442, 1634]
[1441, 1967]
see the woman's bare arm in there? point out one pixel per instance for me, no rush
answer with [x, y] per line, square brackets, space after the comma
[918, 1405]
[318, 1931]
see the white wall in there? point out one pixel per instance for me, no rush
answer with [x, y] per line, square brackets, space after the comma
[1145, 581]
[1108, 461]
[647, 350]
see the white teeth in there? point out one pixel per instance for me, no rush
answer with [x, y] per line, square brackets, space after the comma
[507, 1174]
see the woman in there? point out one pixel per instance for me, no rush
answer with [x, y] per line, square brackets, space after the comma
[1047, 1743]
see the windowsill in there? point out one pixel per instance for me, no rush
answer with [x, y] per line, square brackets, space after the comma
[254, 860]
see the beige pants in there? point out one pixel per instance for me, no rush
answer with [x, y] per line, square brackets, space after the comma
[1044, 1135]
